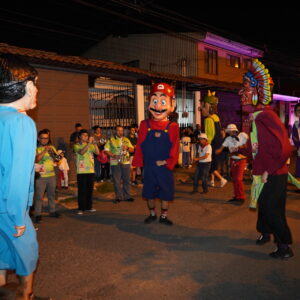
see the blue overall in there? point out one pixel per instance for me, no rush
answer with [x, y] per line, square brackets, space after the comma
[158, 181]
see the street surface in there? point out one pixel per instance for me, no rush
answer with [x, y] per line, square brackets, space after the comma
[208, 254]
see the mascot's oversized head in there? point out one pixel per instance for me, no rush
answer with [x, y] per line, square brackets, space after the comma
[162, 101]
[209, 104]
[257, 86]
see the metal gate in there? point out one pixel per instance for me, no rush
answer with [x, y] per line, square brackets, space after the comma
[185, 107]
[112, 103]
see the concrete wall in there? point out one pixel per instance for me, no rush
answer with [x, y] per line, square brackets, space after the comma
[226, 72]
[62, 102]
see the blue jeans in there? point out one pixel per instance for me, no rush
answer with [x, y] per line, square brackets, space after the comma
[202, 173]
[224, 164]
[121, 174]
[185, 159]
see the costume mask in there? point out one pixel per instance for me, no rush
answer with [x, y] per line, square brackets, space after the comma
[162, 101]
[257, 85]
[209, 103]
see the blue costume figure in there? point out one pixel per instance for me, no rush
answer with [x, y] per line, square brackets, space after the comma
[18, 244]
[157, 151]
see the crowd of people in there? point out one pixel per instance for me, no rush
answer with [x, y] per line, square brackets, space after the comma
[100, 157]
[31, 165]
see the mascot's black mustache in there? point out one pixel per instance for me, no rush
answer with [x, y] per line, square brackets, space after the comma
[158, 111]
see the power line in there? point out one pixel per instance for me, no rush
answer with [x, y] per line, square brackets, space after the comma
[154, 26]
[46, 21]
[176, 18]
[151, 12]
[50, 30]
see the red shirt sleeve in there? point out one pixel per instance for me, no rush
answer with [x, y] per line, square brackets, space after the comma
[274, 147]
[174, 138]
[138, 160]
[174, 153]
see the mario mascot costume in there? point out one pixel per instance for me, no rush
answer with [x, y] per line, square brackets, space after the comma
[271, 149]
[157, 151]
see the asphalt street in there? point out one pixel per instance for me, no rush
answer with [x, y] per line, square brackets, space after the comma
[209, 253]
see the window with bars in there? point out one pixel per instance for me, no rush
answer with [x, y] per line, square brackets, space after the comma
[211, 61]
[185, 107]
[112, 103]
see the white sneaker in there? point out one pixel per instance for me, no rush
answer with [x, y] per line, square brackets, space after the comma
[223, 182]
[91, 210]
[211, 183]
[80, 212]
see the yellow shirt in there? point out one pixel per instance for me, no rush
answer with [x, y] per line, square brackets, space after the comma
[114, 146]
[46, 164]
[85, 163]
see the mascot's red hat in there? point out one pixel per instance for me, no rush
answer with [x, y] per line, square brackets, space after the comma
[163, 88]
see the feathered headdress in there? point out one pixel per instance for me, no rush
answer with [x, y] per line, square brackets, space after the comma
[260, 79]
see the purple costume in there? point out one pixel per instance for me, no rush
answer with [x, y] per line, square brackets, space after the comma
[296, 141]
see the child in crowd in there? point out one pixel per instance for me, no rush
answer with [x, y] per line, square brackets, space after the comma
[237, 144]
[224, 158]
[186, 150]
[103, 158]
[203, 165]
[63, 167]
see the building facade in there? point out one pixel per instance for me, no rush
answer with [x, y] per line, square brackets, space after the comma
[200, 56]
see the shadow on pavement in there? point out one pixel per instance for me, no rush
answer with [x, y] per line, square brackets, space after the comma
[176, 238]
[293, 214]
[281, 289]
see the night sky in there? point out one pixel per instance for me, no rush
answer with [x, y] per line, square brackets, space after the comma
[72, 27]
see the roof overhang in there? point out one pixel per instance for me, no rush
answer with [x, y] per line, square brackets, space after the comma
[116, 71]
[286, 98]
[230, 45]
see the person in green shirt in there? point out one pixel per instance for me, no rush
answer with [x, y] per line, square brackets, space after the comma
[119, 148]
[46, 157]
[84, 152]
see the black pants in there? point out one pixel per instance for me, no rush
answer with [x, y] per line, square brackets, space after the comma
[271, 209]
[85, 184]
[105, 171]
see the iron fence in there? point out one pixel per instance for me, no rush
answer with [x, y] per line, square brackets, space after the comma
[112, 103]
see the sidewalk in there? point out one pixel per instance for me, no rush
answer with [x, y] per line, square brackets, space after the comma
[183, 177]
[103, 191]
[208, 254]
